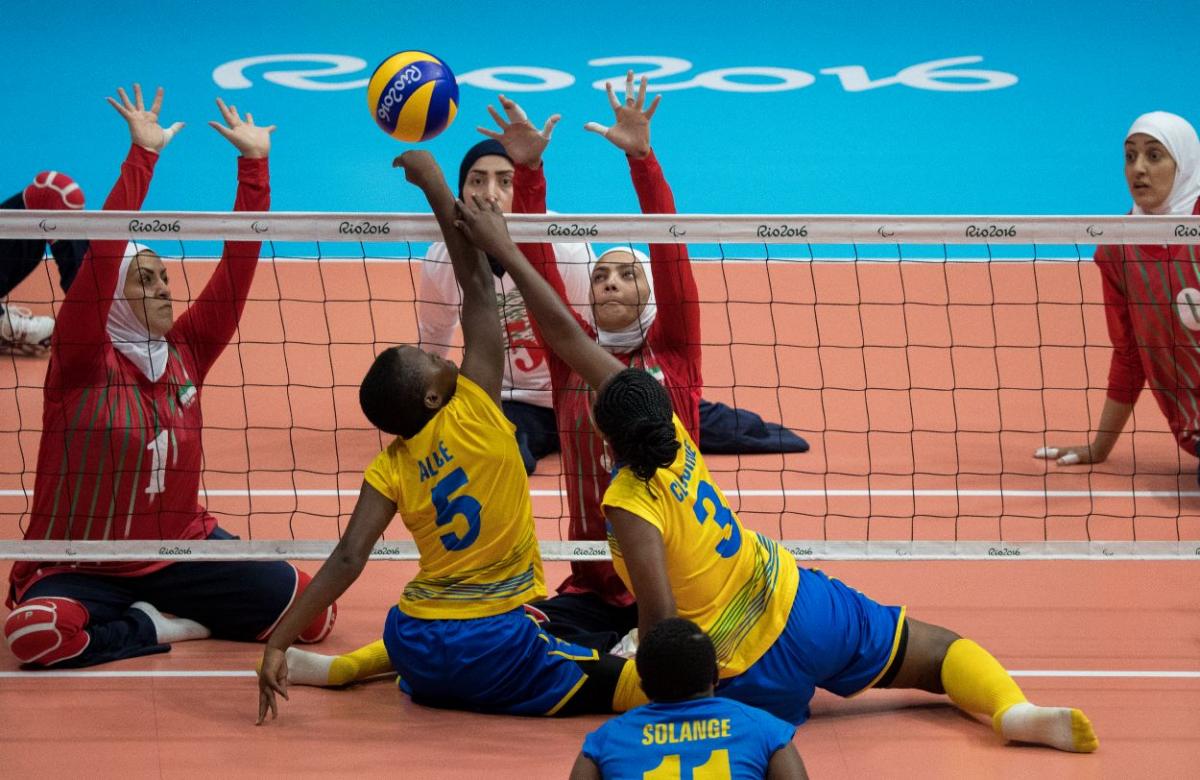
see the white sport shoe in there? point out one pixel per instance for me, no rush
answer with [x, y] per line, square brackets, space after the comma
[21, 331]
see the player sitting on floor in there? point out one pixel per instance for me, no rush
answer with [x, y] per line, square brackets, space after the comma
[22, 331]
[120, 452]
[647, 313]
[779, 630]
[460, 636]
[487, 171]
[1151, 295]
[685, 729]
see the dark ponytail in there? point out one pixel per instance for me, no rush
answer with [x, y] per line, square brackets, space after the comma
[633, 411]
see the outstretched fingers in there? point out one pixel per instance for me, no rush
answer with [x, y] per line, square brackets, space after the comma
[649, 113]
[503, 125]
[515, 112]
[612, 96]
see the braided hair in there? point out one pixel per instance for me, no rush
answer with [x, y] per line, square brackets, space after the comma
[633, 411]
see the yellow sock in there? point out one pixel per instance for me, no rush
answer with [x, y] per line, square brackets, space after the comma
[360, 664]
[629, 693]
[976, 682]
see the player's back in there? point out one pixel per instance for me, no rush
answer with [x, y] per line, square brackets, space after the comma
[704, 737]
[737, 585]
[461, 489]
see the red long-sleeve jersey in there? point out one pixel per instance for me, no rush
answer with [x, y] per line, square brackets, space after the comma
[671, 351]
[120, 455]
[1151, 295]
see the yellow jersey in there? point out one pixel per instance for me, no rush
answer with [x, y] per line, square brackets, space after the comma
[461, 489]
[735, 584]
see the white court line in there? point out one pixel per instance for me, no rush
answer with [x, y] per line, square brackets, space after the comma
[183, 673]
[797, 493]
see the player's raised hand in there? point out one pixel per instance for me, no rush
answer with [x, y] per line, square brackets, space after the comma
[419, 167]
[523, 142]
[483, 223]
[1070, 456]
[272, 679]
[631, 133]
[144, 129]
[250, 139]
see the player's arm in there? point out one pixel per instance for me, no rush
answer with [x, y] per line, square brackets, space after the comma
[209, 323]
[675, 290]
[485, 226]
[526, 145]
[83, 317]
[786, 764]
[1126, 375]
[585, 769]
[645, 558]
[371, 516]
[483, 340]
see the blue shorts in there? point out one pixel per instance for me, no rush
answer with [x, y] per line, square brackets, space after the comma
[835, 638]
[503, 664]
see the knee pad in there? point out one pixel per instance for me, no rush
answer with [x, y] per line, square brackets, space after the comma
[47, 630]
[323, 623]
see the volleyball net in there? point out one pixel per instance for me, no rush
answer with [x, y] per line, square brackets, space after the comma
[924, 358]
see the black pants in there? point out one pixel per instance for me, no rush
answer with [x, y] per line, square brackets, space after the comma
[236, 600]
[537, 431]
[20, 256]
[586, 619]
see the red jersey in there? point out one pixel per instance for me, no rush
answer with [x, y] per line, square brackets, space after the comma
[120, 455]
[1152, 306]
[671, 352]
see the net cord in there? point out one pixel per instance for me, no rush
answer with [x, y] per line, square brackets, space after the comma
[383, 227]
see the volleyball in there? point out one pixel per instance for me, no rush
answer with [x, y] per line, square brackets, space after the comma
[413, 96]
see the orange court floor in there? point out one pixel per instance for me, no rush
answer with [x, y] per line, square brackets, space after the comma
[924, 390]
[1118, 639]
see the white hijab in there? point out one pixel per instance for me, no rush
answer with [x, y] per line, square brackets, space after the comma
[128, 335]
[1179, 137]
[633, 335]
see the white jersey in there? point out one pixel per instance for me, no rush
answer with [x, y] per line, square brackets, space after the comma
[526, 373]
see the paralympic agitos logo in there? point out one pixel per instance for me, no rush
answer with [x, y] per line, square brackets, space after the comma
[258, 226]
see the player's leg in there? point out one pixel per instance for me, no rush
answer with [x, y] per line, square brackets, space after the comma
[938, 660]
[586, 619]
[237, 600]
[504, 664]
[73, 620]
[726, 430]
[19, 328]
[368, 662]
[334, 671]
[537, 431]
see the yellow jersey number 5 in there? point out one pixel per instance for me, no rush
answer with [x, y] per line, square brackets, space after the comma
[448, 508]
